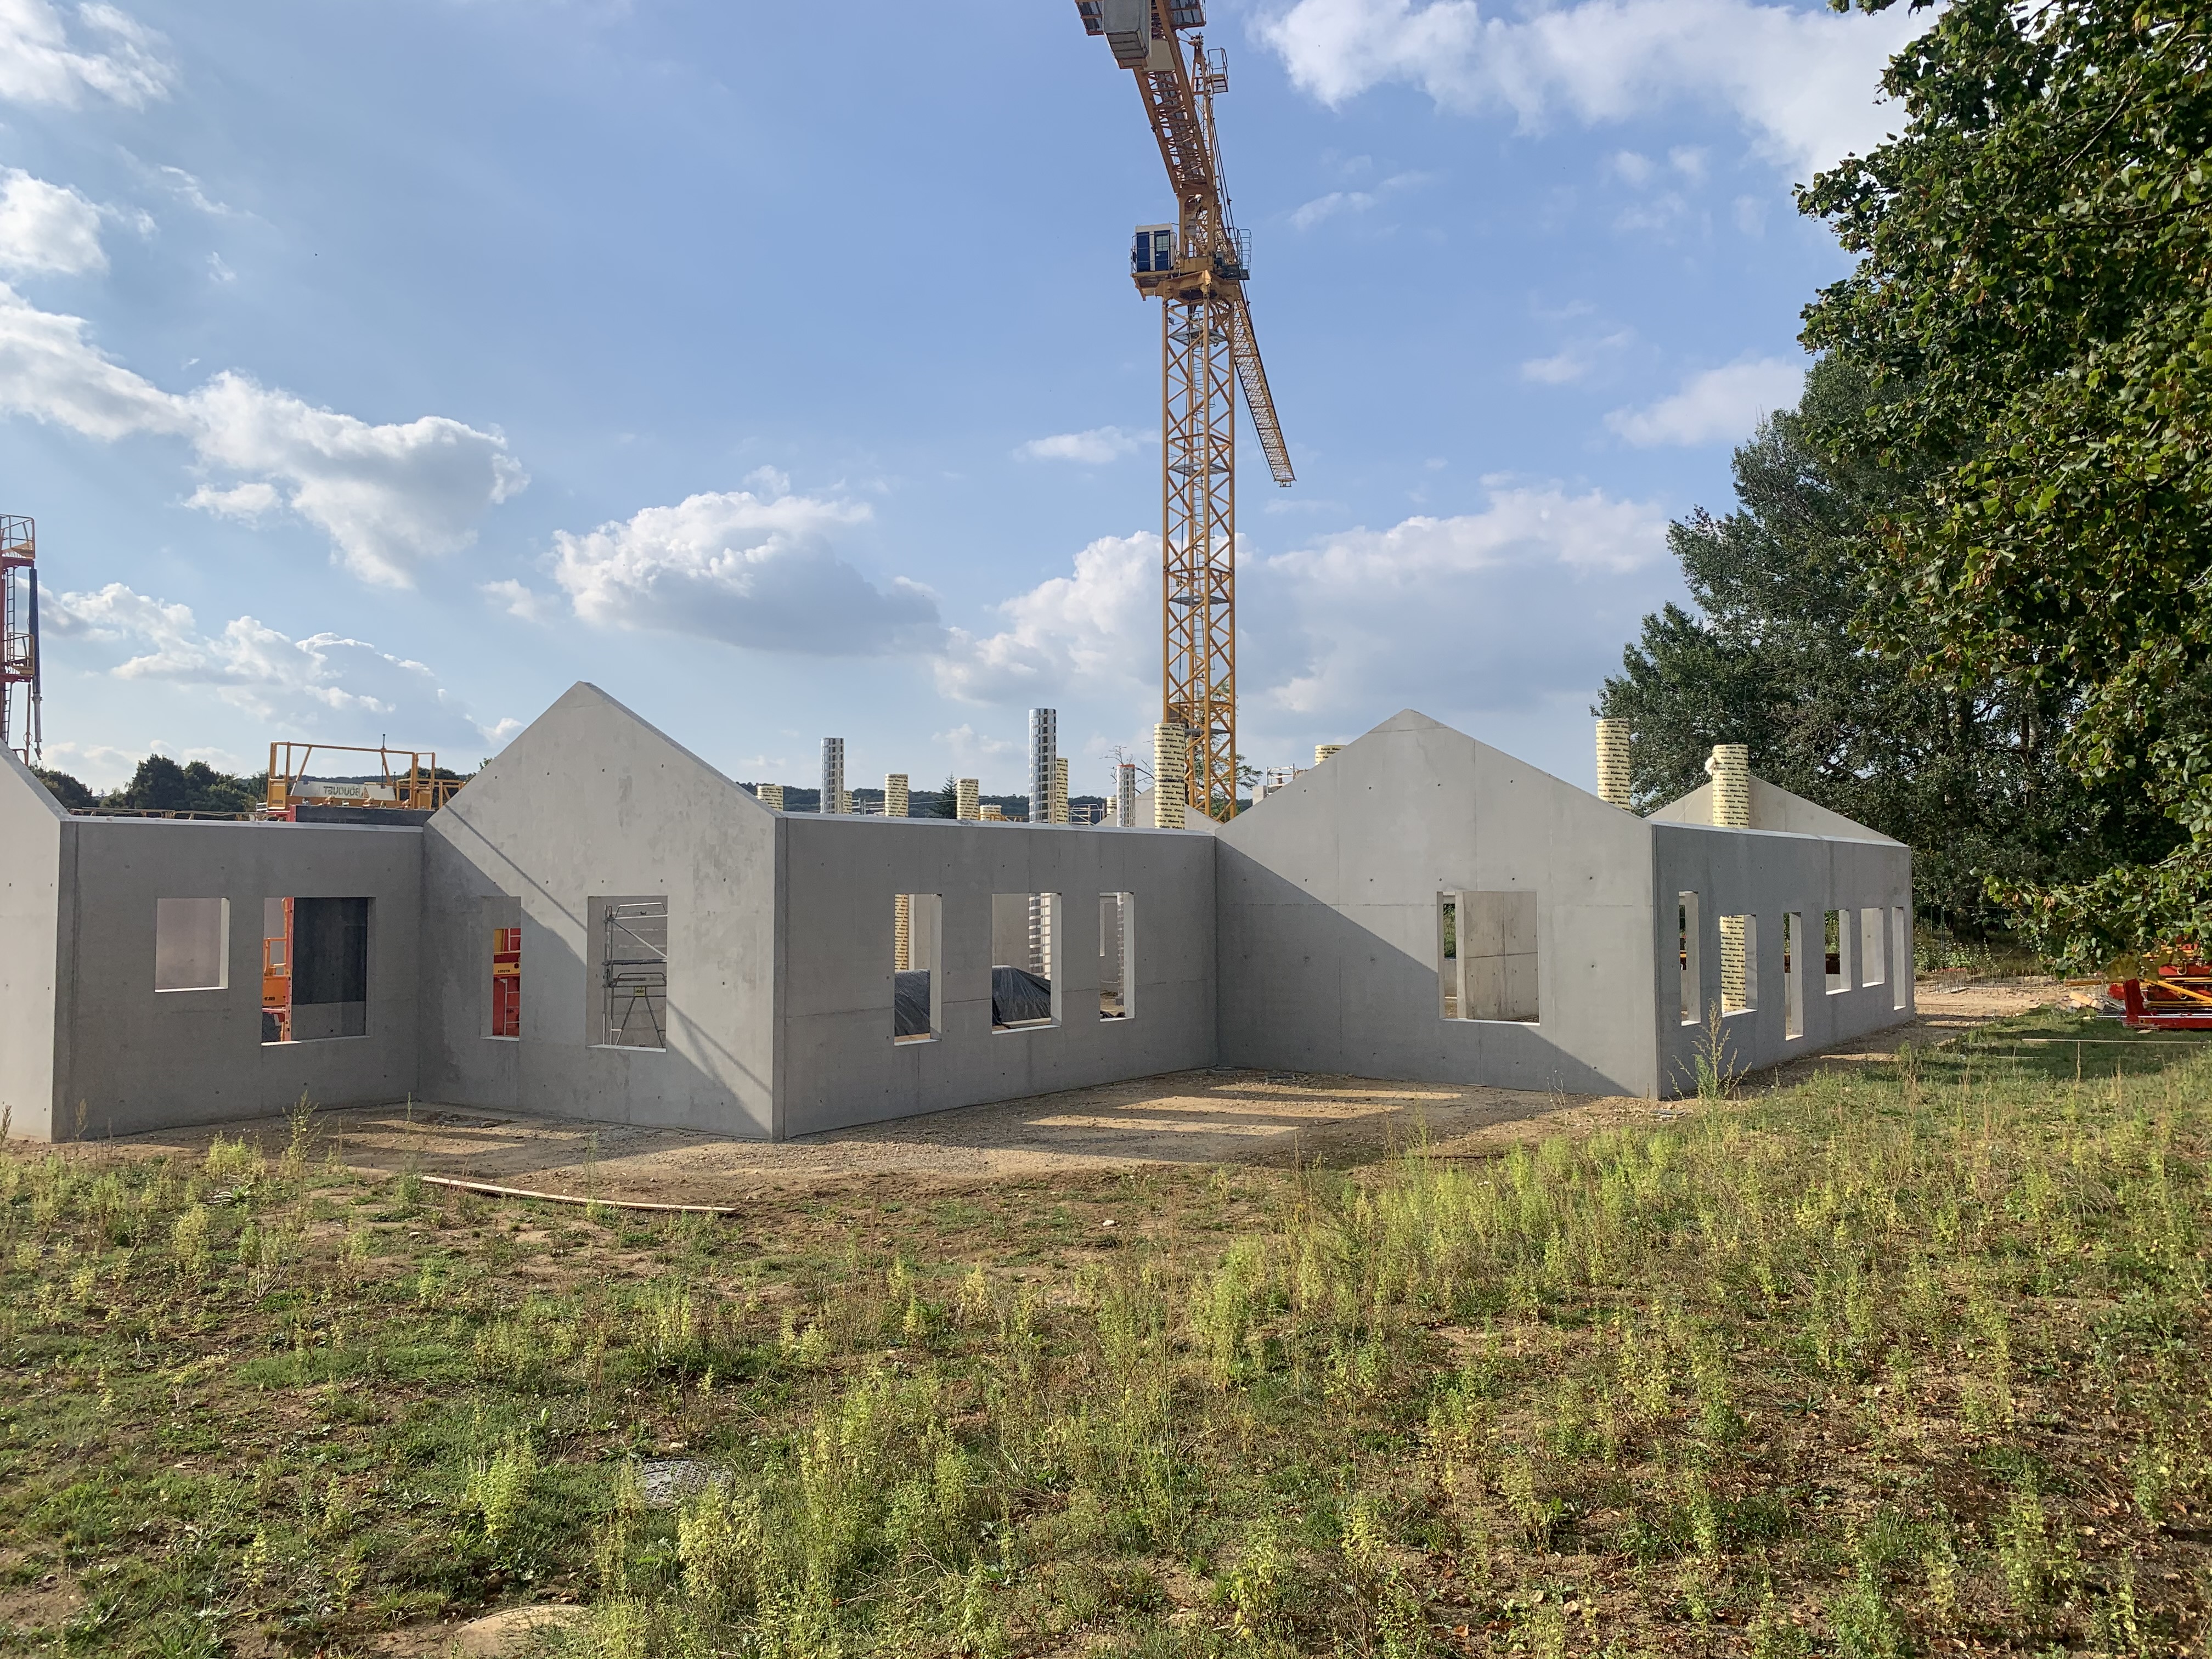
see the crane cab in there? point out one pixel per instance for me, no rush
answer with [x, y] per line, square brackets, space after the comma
[1155, 250]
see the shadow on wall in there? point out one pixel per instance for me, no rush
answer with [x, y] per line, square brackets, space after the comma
[1304, 986]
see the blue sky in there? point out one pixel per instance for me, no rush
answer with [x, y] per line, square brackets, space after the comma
[381, 366]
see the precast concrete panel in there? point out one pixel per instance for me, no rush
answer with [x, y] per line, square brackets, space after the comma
[1328, 918]
[144, 1059]
[1766, 874]
[839, 1063]
[591, 802]
[33, 955]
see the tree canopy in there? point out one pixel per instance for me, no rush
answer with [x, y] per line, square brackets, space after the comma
[161, 785]
[2032, 312]
[1773, 658]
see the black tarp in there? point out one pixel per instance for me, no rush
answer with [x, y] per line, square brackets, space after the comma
[1018, 995]
[329, 951]
[910, 998]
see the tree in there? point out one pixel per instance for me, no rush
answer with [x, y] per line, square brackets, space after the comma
[948, 799]
[160, 785]
[69, 792]
[2030, 304]
[1775, 657]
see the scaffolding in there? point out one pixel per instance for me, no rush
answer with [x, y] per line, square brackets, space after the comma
[633, 973]
[18, 640]
[416, 784]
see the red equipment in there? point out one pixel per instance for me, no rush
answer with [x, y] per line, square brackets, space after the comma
[2179, 998]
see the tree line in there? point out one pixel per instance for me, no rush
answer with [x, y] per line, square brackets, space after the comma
[1965, 595]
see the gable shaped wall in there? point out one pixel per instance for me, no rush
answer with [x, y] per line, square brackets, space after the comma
[591, 801]
[1327, 928]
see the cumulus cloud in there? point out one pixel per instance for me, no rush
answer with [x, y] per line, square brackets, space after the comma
[1324, 208]
[41, 63]
[324, 684]
[46, 228]
[1087, 629]
[1484, 610]
[388, 496]
[1720, 405]
[1095, 448]
[1480, 611]
[760, 572]
[1801, 81]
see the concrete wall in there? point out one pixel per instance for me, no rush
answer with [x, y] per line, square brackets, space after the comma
[1773, 807]
[1328, 918]
[133, 1058]
[33, 951]
[1764, 874]
[837, 1062]
[591, 802]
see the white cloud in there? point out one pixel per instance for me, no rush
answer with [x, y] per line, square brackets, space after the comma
[1086, 630]
[1559, 369]
[1095, 448]
[1803, 81]
[518, 600]
[1353, 201]
[750, 571]
[324, 684]
[1720, 404]
[1476, 612]
[187, 186]
[40, 64]
[44, 226]
[387, 496]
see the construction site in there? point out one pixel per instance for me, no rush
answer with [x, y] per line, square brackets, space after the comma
[601, 926]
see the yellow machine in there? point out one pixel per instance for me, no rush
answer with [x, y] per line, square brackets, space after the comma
[1197, 269]
[415, 784]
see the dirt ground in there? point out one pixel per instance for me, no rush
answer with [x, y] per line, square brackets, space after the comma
[1220, 1116]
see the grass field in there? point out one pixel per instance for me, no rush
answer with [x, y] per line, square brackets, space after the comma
[1908, 1359]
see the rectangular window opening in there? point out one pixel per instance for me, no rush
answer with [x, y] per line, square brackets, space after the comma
[502, 923]
[314, 969]
[1738, 964]
[1487, 956]
[1900, 931]
[1793, 974]
[1117, 984]
[917, 968]
[191, 945]
[1686, 942]
[1025, 947]
[630, 943]
[1872, 954]
[1838, 946]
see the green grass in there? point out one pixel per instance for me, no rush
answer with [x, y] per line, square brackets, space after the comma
[1911, 1360]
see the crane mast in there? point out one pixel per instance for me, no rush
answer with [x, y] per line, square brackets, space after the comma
[1196, 268]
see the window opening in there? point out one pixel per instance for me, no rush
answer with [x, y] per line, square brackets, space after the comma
[1116, 983]
[1738, 964]
[314, 969]
[633, 950]
[1026, 984]
[1486, 945]
[1686, 933]
[1793, 974]
[1901, 928]
[191, 944]
[506, 981]
[1839, 954]
[917, 976]
[1873, 957]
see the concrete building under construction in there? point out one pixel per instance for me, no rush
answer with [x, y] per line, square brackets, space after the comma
[601, 925]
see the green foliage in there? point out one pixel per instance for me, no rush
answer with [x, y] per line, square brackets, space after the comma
[2030, 309]
[160, 785]
[70, 792]
[1785, 589]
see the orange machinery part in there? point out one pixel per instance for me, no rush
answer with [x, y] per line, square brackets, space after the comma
[506, 981]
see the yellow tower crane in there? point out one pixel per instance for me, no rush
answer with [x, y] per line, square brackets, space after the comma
[1197, 269]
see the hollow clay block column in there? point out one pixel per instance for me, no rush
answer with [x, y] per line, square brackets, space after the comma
[964, 799]
[1323, 751]
[1612, 786]
[1060, 789]
[902, 934]
[1731, 767]
[771, 795]
[895, 795]
[1170, 769]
